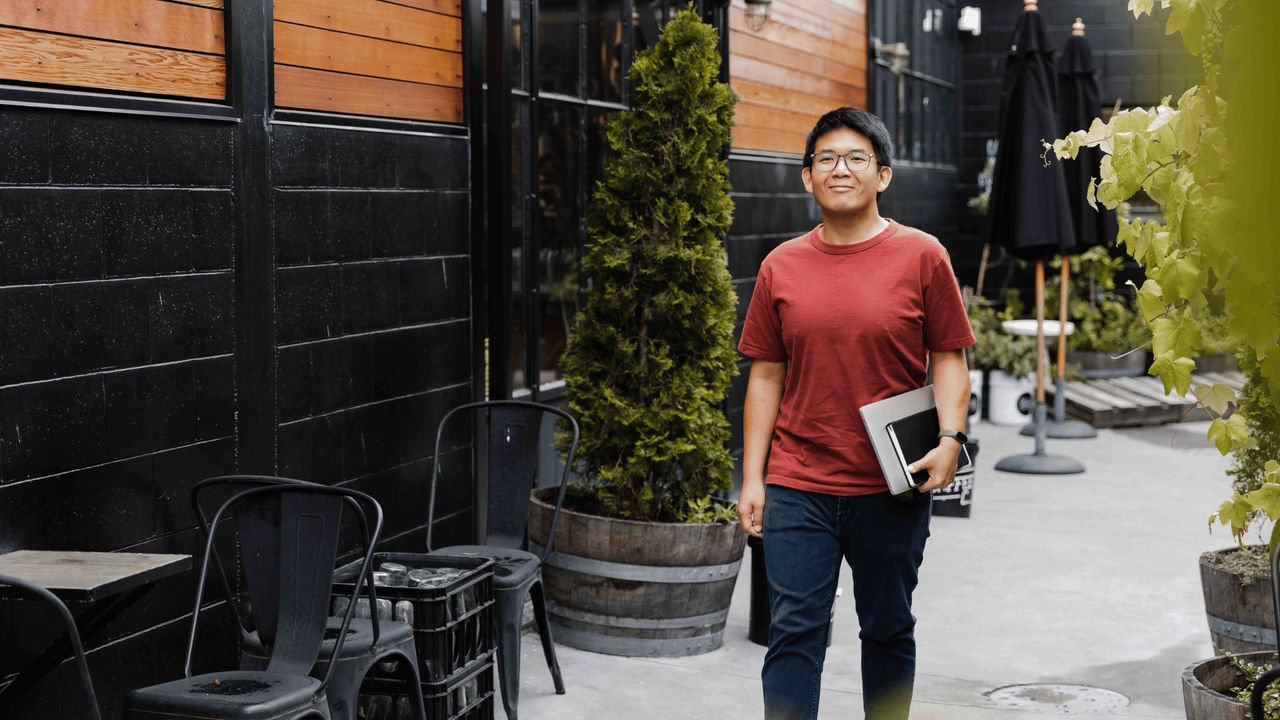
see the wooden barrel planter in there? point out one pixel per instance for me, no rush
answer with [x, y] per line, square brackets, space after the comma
[1241, 617]
[1204, 683]
[644, 589]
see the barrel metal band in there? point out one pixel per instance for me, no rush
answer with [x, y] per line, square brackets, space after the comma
[639, 573]
[638, 647]
[1239, 631]
[636, 623]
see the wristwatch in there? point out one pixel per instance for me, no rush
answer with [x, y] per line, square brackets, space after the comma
[959, 436]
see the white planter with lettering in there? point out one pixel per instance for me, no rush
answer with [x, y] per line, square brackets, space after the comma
[1012, 399]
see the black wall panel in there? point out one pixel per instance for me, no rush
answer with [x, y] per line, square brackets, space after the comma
[119, 321]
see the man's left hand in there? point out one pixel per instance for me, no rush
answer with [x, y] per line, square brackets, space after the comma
[941, 464]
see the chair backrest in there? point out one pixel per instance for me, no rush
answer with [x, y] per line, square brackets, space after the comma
[73, 634]
[288, 534]
[514, 439]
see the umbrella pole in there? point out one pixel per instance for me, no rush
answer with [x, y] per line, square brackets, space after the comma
[1040, 353]
[1059, 387]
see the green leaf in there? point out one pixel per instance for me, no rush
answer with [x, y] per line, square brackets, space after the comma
[1229, 434]
[1090, 193]
[1266, 499]
[1178, 335]
[1179, 277]
[1189, 18]
[1234, 512]
[1141, 7]
[1150, 300]
[1271, 371]
[1174, 372]
[1216, 397]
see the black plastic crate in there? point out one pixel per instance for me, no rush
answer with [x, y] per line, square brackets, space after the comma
[453, 624]
[468, 695]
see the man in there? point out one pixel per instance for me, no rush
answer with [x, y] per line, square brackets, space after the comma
[857, 310]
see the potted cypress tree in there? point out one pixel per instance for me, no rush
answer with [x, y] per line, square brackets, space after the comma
[640, 565]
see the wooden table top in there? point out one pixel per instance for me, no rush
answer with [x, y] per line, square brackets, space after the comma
[89, 576]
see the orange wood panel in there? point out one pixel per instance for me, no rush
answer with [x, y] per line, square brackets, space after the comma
[144, 22]
[216, 4]
[781, 99]
[823, 12]
[779, 141]
[448, 7]
[843, 45]
[760, 72]
[326, 50]
[60, 60]
[372, 18]
[756, 47]
[765, 117]
[334, 92]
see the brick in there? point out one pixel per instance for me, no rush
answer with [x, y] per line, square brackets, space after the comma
[349, 228]
[24, 147]
[399, 223]
[100, 325]
[361, 159]
[149, 409]
[312, 449]
[308, 303]
[26, 334]
[91, 149]
[50, 235]
[212, 230]
[51, 427]
[192, 317]
[301, 219]
[370, 296]
[194, 153]
[145, 232]
[431, 162]
[299, 156]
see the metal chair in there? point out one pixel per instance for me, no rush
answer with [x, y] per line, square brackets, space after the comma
[288, 534]
[369, 641]
[513, 442]
[73, 636]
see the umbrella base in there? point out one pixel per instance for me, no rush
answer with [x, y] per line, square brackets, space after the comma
[1062, 429]
[1040, 465]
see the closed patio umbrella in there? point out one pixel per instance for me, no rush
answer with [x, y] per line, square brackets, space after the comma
[1030, 214]
[1078, 105]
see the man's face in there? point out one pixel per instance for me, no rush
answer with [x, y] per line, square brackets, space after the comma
[842, 191]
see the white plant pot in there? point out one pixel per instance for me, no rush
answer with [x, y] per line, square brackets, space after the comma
[1012, 399]
[975, 397]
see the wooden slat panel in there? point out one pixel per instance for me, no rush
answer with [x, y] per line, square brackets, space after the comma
[334, 92]
[850, 13]
[765, 117]
[216, 4]
[372, 18]
[755, 47]
[764, 73]
[56, 59]
[448, 7]
[794, 101]
[144, 22]
[776, 140]
[834, 42]
[337, 52]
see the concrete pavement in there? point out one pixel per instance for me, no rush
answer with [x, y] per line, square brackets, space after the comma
[1088, 580]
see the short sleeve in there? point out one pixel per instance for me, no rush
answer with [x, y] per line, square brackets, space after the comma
[762, 331]
[946, 326]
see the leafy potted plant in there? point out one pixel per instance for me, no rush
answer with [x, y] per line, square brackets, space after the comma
[1198, 160]
[1008, 360]
[643, 561]
[1109, 333]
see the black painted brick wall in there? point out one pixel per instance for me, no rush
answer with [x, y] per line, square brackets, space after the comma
[1138, 64]
[116, 348]
[373, 308]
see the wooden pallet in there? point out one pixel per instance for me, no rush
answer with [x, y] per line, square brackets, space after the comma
[1138, 400]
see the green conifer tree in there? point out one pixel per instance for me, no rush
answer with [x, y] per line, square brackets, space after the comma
[651, 355]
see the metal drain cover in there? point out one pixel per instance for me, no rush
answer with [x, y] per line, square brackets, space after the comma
[1062, 698]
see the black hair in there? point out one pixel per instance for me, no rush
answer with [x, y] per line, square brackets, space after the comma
[859, 121]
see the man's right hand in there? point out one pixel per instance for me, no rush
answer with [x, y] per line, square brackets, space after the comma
[751, 507]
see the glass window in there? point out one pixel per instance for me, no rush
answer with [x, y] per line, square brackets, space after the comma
[557, 214]
[604, 50]
[520, 121]
[558, 25]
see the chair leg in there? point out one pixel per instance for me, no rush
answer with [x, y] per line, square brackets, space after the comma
[544, 632]
[510, 616]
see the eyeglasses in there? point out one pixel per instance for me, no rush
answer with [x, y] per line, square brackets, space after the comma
[855, 160]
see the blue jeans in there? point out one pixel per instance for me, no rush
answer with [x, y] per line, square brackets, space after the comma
[805, 536]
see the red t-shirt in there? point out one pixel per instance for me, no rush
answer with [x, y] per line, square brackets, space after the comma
[856, 323]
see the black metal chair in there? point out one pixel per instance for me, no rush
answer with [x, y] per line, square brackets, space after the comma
[73, 636]
[369, 641]
[514, 433]
[288, 534]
